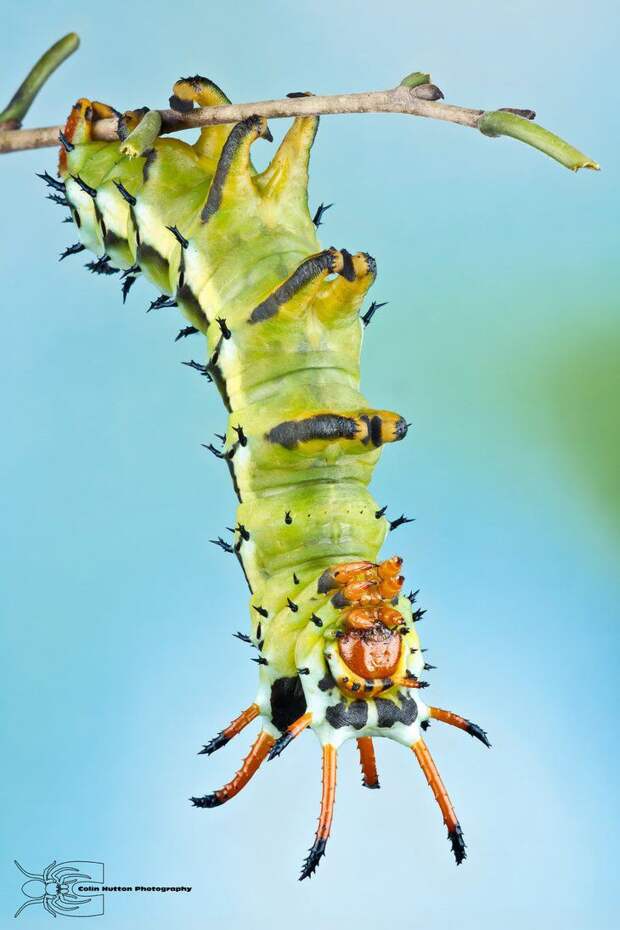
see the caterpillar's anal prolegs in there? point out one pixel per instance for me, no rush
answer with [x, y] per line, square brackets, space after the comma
[237, 251]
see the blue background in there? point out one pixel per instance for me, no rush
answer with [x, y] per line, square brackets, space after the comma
[500, 343]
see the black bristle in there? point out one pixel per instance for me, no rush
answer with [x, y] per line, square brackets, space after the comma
[367, 317]
[211, 448]
[221, 322]
[261, 660]
[321, 210]
[243, 532]
[288, 518]
[91, 191]
[203, 369]
[400, 521]
[134, 270]
[380, 513]
[71, 250]
[316, 620]
[292, 605]
[178, 236]
[222, 544]
[102, 266]
[412, 596]
[243, 440]
[52, 182]
[162, 301]
[131, 200]
[61, 201]
[67, 146]
[295, 579]
[128, 283]
[243, 637]
[261, 610]
[186, 331]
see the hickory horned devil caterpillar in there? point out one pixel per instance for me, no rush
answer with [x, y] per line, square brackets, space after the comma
[237, 251]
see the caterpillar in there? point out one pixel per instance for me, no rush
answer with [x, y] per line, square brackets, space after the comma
[236, 250]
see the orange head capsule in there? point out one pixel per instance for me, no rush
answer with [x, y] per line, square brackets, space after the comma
[372, 654]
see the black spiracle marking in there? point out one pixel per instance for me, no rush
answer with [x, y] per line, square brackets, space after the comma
[287, 702]
[389, 713]
[353, 715]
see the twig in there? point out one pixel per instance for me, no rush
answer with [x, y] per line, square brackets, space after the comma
[12, 116]
[415, 96]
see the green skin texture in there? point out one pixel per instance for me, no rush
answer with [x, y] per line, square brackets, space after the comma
[303, 360]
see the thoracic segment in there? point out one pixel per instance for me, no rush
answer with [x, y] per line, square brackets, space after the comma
[237, 251]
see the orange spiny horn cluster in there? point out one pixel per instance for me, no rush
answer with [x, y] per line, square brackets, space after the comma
[365, 585]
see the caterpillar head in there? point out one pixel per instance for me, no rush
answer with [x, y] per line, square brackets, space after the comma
[367, 650]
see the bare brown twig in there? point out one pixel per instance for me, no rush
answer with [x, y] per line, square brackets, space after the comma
[415, 96]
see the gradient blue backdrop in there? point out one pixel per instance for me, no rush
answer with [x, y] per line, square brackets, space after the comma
[499, 343]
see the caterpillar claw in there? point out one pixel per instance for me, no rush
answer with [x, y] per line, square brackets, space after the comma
[454, 720]
[458, 844]
[315, 854]
[234, 727]
[292, 731]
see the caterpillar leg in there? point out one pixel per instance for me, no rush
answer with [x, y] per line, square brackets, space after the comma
[341, 298]
[300, 288]
[236, 726]
[287, 174]
[455, 834]
[328, 796]
[202, 91]
[232, 182]
[446, 716]
[370, 778]
[297, 727]
[258, 752]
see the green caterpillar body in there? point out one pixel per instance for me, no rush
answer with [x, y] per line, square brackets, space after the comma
[238, 252]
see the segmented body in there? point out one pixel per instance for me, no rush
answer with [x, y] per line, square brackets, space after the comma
[238, 252]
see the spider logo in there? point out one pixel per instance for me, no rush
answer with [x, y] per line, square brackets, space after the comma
[55, 889]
